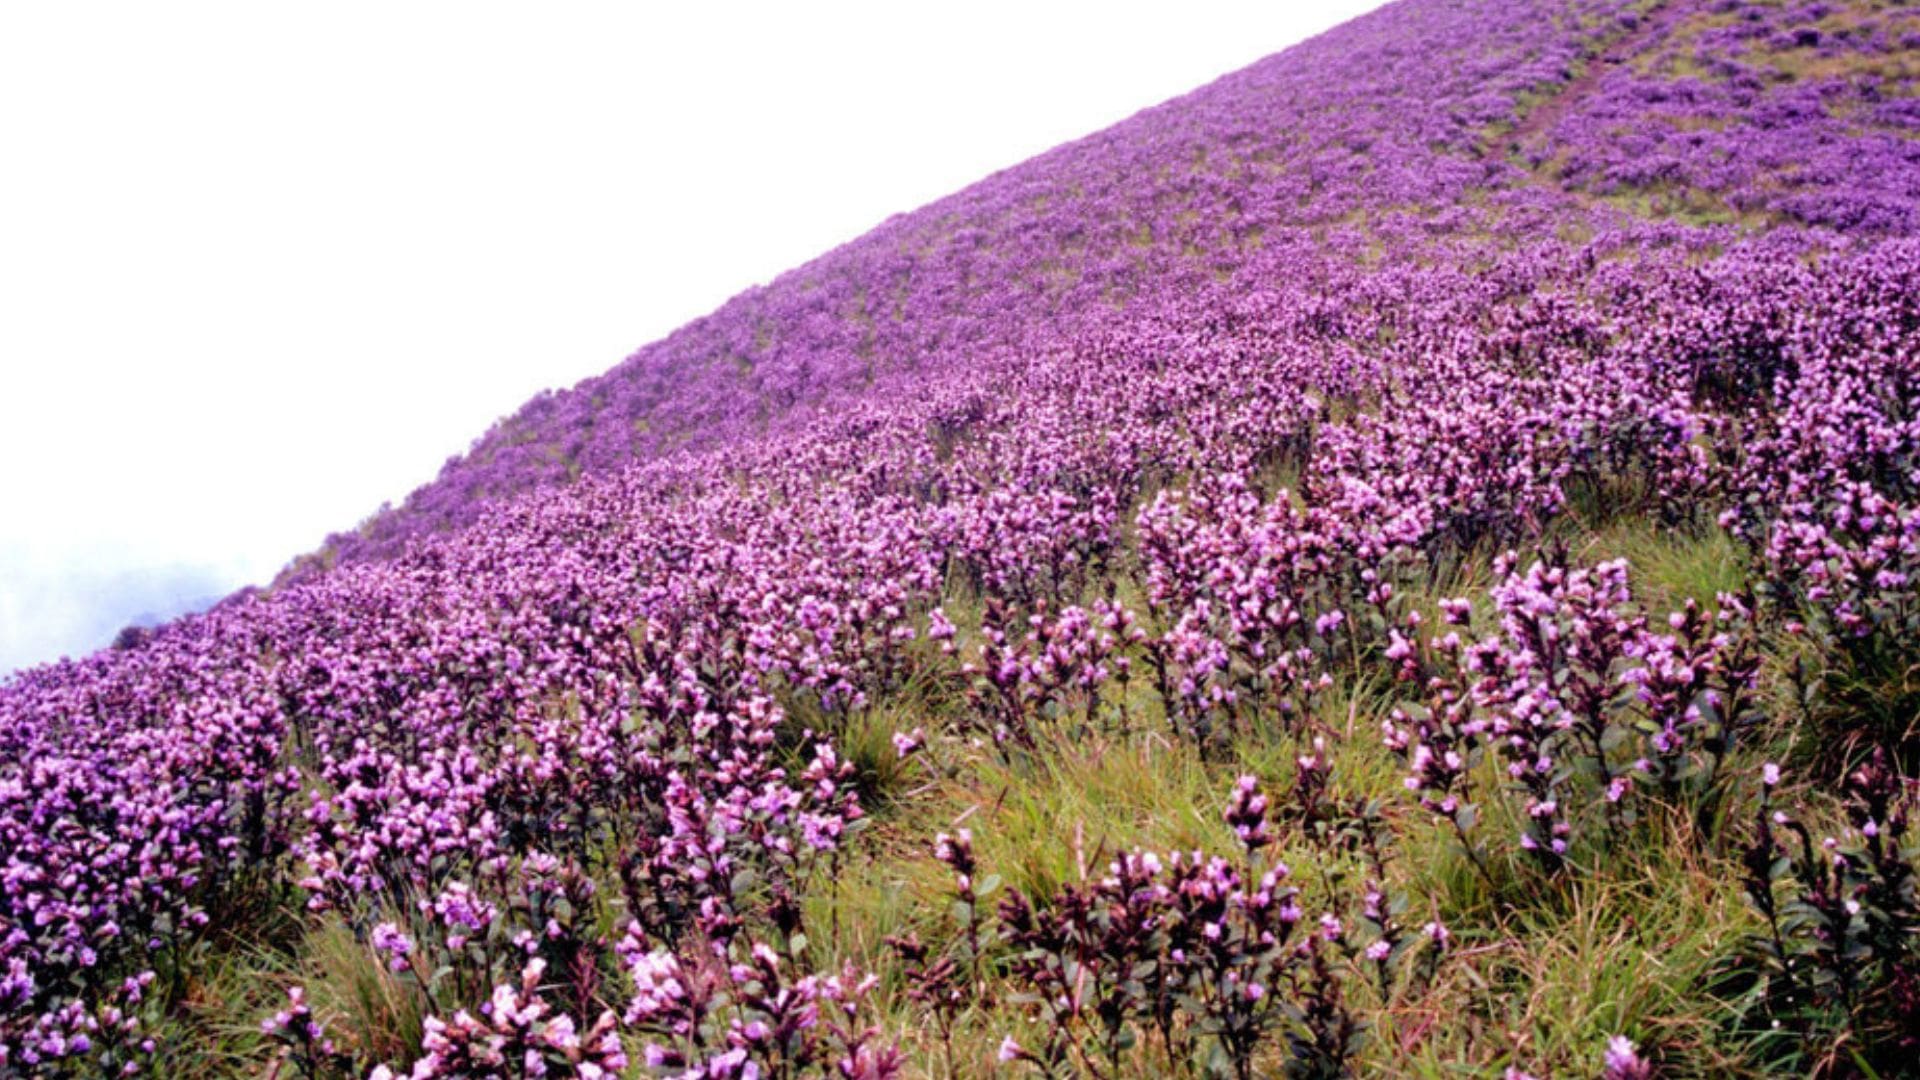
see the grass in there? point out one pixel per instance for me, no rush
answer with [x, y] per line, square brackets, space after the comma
[1671, 566]
[218, 989]
[218, 992]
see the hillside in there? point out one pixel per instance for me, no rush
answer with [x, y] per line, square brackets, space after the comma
[1417, 134]
[1399, 562]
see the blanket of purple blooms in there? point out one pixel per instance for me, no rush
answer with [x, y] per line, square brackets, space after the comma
[1170, 433]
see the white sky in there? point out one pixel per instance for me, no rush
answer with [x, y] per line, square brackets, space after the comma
[263, 266]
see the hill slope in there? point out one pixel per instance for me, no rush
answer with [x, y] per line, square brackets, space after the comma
[1405, 135]
[1489, 429]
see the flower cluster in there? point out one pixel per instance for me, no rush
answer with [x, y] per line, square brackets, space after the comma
[739, 1009]
[1193, 949]
[1576, 700]
[1056, 671]
[516, 1033]
[1842, 917]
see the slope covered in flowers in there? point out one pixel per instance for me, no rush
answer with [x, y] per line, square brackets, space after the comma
[1388, 137]
[1400, 559]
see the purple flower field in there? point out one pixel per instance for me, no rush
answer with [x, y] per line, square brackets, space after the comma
[1399, 562]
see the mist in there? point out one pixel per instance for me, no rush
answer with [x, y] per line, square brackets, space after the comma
[73, 605]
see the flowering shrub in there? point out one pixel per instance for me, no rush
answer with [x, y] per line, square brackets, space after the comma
[516, 1034]
[1579, 703]
[739, 1011]
[1054, 673]
[1842, 917]
[1250, 594]
[1213, 958]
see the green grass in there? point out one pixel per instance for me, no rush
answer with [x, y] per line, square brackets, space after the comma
[1543, 973]
[1670, 565]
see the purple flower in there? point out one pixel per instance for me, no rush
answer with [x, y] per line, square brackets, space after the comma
[1623, 1060]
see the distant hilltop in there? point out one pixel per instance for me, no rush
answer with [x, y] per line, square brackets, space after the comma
[1421, 132]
